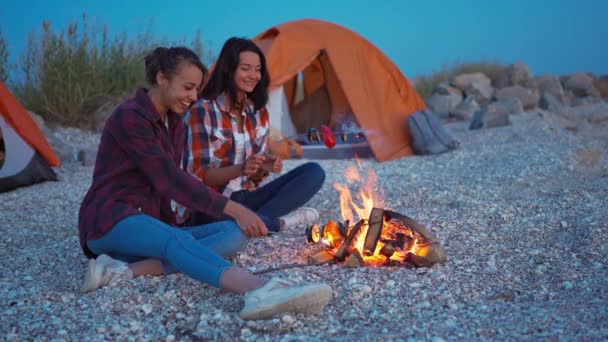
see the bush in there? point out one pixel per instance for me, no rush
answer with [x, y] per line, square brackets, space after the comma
[425, 84]
[3, 58]
[68, 75]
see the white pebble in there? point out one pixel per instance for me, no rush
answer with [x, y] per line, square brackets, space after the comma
[365, 289]
[170, 338]
[288, 319]
[390, 283]
[564, 224]
[147, 308]
[245, 332]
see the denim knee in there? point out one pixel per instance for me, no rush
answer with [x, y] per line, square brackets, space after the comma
[315, 173]
[237, 243]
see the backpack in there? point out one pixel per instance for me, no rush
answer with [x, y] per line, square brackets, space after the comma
[428, 134]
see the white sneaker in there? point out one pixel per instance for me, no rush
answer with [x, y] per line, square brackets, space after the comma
[104, 271]
[281, 296]
[303, 216]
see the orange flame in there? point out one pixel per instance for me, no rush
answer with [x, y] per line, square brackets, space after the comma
[370, 197]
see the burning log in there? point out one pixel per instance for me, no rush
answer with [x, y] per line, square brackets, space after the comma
[321, 257]
[428, 255]
[375, 223]
[404, 242]
[354, 260]
[349, 243]
[388, 250]
[430, 252]
[343, 228]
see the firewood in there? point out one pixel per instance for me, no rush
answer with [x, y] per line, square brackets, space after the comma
[431, 255]
[321, 257]
[354, 260]
[387, 250]
[348, 245]
[375, 223]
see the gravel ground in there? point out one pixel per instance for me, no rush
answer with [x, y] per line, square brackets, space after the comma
[521, 211]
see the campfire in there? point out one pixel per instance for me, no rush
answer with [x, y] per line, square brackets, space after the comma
[370, 235]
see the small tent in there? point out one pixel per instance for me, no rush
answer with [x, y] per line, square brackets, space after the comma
[25, 155]
[325, 74]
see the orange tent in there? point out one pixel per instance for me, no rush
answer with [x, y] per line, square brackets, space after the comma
[26, 155]
[341, 73]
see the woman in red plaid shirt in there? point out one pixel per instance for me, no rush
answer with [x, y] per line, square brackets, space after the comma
[126, 215]
[228, 143]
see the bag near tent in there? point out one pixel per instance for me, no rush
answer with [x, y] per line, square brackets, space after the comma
[25, 155]
[352, 87]
[428, 134]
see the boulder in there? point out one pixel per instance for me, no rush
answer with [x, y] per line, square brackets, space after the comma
[496, 114]
[550, 84]
[444, 100]
[466, 109]
[515, 74]
[580, 85]
[549, 102]
[527, 97]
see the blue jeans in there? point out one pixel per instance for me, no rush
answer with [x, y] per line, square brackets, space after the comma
[277, 198]
[197, 252]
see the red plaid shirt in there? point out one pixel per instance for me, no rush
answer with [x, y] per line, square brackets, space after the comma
[210, 135]
[138, 171]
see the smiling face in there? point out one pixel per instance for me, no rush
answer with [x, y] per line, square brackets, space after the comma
[180, 90]
[249, 71]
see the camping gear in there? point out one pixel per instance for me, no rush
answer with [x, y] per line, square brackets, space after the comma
[27, 155]
[428, 134]
[316, 81]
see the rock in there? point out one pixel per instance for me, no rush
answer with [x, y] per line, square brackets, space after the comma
[476, 85]
[287, 319]
[527, 97]
[496, 114]
[466, 109]
[515, 74]
[593, 113]
[444, 104]
[580, 85]
[550, 84]
[147, 308]
[463, 81]
[549, 102]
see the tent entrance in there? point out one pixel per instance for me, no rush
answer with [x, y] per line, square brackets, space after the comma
[312, 98]
[315, 97]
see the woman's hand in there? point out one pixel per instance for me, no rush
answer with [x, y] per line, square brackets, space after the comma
[249, 222]
[252, 165]
[272, 164]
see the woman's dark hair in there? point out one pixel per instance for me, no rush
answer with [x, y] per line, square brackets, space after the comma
[222, 76]
[168, 61]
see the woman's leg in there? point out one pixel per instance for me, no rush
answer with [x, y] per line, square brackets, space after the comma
[144, 236]
[199, 219]
[286, 193]
[224, 240]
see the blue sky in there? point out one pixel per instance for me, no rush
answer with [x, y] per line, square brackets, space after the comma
[558, 36]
